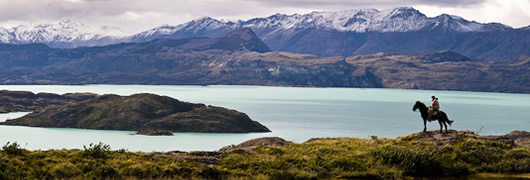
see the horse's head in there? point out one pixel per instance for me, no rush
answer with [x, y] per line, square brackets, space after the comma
[416, 106]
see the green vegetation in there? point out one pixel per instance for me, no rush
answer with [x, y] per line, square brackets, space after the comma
[320, 158]
[12, 148]
[96, 150]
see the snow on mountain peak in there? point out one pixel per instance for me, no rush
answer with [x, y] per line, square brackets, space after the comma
[459, 24]
[68, 33]
[65, 31]
[402, 19]
[200, 24]
[357, 20]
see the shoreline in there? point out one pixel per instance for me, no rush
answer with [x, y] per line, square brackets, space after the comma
[264, 85]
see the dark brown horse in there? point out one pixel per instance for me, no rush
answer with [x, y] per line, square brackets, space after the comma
[441, 116]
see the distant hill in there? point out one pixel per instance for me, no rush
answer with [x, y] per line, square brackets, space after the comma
[241, 58]
[139, 112]
[342, 33]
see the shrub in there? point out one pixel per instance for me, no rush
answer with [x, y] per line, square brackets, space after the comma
[103, 172]
[12, 148]
[122, 151]
[96, 150]
[415, 163]
[208, 173]
[64, 170]
[142, 170]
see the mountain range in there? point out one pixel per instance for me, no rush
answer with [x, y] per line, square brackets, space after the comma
[240, 57]
[327, 34]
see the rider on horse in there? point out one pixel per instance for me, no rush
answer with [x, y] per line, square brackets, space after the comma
[434, 109]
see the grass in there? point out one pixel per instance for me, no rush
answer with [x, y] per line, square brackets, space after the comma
[330, 158]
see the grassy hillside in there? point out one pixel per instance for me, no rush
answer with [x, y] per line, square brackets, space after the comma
[457, 154]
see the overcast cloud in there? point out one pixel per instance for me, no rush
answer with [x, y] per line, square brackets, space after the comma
[137, 15]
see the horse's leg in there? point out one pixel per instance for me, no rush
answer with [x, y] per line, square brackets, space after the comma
[441, 127]
[445, 124]
[424, 125]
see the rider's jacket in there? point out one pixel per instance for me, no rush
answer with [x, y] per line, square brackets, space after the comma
[435, 105]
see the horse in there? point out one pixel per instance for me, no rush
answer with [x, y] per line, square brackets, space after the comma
[441, 116]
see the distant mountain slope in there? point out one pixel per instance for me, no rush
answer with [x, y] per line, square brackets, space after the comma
[342, 33]
[240, 58]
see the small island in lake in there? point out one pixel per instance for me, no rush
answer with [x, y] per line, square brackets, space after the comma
[148, 114]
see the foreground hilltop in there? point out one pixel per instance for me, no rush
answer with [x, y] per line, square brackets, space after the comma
[431, 154]
[147, 113]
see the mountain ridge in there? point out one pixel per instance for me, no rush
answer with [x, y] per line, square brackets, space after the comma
[240, 58]
[326, 34]
[355, 20]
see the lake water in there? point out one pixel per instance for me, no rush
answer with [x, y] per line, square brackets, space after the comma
[293, 113]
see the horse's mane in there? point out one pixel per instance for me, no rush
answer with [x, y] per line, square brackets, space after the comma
[421, 104]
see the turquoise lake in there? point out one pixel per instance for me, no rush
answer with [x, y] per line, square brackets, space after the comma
[293, 113]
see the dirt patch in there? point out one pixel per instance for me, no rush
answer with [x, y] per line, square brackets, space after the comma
[520, 138]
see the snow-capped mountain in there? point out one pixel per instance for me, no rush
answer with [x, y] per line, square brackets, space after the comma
[341, 33]
[71, 34]
[368, 20]
[360, 20]
[61, 34]
[204, 26]
[363, 31]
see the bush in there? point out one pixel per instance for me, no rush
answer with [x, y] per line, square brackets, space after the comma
[142, 170]
[64, 170]
[12, 148]
[96, 150]
[122, 151]
[103, 172]
[413, 162]
[209, 173]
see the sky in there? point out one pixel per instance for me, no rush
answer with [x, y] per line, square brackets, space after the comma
[133, 16]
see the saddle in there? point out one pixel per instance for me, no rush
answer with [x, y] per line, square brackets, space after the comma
[433, 114]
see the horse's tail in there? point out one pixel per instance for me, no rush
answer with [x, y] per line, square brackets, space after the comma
[446, 118]
[449, 122]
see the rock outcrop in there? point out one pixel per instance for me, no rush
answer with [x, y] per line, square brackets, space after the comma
[520, 138]
[15, 101]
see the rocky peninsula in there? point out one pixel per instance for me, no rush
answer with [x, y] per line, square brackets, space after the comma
[149, 114]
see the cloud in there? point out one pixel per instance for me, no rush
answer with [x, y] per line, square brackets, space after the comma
[348, 4]
[511, 12]
[137, 15]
